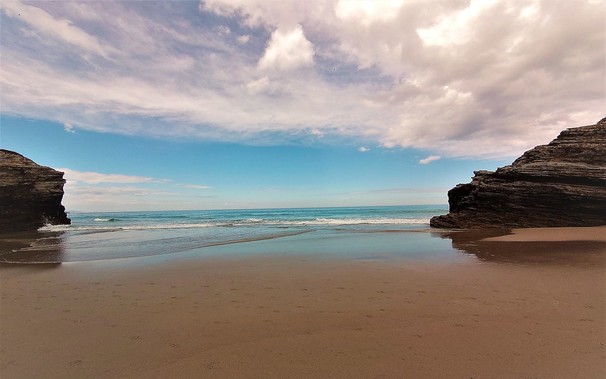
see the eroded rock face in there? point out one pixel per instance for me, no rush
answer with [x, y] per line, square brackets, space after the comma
[30, 194]
[559, 184]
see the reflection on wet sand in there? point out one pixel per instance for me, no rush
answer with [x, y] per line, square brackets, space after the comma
[32, 247]
[586, 253]
[56, 247]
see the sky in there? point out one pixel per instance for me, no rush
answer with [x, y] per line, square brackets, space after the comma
[256, 103]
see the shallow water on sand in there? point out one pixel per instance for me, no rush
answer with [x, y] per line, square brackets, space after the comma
[358, 231]
[58, 247]
[367, 233]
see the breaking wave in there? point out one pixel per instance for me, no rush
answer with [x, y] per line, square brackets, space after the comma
[235, 223]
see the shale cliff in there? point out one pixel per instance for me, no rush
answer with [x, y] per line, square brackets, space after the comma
[559, 184]
[30, 194]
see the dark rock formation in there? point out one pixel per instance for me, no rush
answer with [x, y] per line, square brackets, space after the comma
[559, 184]
[30, 194]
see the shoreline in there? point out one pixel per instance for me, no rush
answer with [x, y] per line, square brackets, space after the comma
[269, 315]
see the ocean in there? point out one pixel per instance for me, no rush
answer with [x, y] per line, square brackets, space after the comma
[117, 235]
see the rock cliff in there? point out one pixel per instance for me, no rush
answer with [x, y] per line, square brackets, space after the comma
[30, 194]
[559, 184]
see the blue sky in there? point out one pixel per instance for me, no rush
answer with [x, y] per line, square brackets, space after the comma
[151, 173]
[257, 103]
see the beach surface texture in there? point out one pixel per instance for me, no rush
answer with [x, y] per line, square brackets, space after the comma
[293, 307]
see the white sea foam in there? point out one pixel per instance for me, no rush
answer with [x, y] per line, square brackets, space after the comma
[54, 228]
[104, 219]
[378, 221]
[250, 222]
[63, 228]
[168, 226]
[352, 221]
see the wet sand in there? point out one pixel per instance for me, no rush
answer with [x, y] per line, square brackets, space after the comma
[492, 314]
[553, 234]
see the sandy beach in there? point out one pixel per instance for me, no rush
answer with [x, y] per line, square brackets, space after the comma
[488, 314]
[317, 189]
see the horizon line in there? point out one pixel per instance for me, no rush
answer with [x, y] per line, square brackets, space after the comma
[252, 209]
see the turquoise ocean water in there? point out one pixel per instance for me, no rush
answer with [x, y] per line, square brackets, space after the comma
[112, 235]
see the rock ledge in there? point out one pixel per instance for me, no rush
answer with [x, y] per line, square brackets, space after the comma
[559, 184]
[30, 194]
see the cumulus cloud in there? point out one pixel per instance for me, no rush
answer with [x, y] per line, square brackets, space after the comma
[430, 159]
[367, 12]
[479, 78]
[456, 28]
[287, 49]
[363, 149]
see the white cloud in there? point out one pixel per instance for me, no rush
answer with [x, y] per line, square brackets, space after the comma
[430, 159]
[287, 49]
[97, 178]
[222, 29]
[456, 28]
[243, 39]
[258, 85]
[88, 191]
[68, 127]
[531, 11]
[57, 28]
[110, 198]
[367, 12]
[196, 186]
[316, 132]
[93, 191]
[363, 149]
[483, 79]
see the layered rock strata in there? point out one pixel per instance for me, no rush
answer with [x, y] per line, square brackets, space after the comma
[30, 194]
[559, 184]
